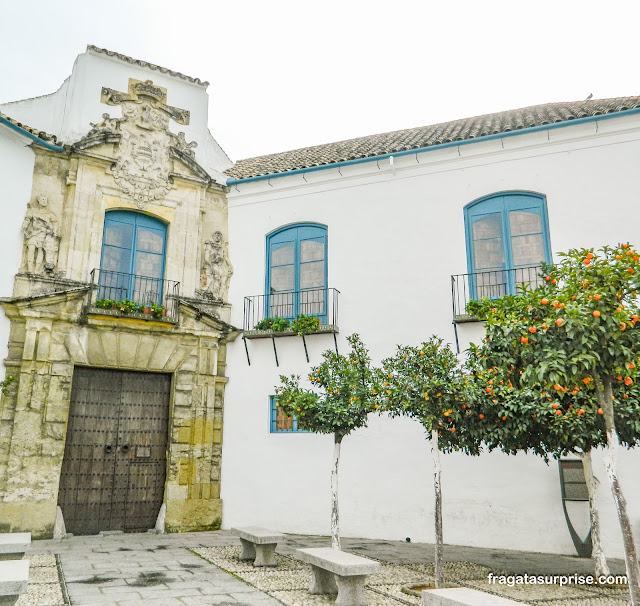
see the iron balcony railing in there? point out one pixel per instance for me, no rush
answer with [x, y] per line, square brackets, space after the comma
[490, 285]
[321, 303]
[143, 291]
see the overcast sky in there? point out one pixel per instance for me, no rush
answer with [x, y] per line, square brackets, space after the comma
[287, 74]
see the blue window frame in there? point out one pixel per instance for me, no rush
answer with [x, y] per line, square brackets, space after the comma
[296, 276]
[133, 257]
[279, 422]
[507, 238]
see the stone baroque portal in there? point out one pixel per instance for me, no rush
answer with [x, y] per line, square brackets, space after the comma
[59, 334]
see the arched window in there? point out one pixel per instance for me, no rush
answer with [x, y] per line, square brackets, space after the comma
[133, 257]
[507, 238]
[296, 281]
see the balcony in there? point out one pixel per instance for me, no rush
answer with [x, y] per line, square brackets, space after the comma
[151, 299]
[490, 285]
[321, 303]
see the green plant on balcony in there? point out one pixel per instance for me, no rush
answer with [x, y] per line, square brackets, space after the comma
[276, 324]
[126, 306]
[105, 303]
[304, 325]
[157, 310]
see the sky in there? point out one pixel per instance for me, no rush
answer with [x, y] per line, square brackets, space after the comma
[289, 74]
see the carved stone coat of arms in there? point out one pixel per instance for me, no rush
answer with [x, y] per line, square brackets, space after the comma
[143, 165]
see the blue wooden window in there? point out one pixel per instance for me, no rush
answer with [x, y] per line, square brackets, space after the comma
[133, 257]
[507, 238]
[296, 280]
[279, 422]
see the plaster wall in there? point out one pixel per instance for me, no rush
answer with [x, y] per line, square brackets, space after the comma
[395, 237]
[68, 112]
[16, 174]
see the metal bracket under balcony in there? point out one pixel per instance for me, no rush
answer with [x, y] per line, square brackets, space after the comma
[272, 316]
[131, 296]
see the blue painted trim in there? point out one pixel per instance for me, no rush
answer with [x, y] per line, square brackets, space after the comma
[503, 207]
[273, 416]
[411, 152]
[29, 135]
[135, 220]
[320, 227]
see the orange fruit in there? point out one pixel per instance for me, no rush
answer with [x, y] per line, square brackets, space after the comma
[628, 381]
[544, 301]
[586, 380]
[555, 405]
[481, 416]
[524, 340]
[559, 322]
[558, 412]
[600, 411]
[596, 314]
[532, 329]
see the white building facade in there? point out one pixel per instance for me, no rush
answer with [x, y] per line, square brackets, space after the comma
[535, 182]
[388, 236]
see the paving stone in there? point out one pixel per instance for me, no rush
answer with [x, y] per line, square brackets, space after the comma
[113, 568]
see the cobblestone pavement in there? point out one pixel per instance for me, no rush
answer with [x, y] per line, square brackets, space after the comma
[128, 569]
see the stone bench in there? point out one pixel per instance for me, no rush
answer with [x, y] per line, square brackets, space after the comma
[14, 577]
[338, 572]
[462, 596]
[258, 544]
[13, 545]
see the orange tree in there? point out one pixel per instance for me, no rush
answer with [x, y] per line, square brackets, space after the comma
[340, 401]
[513, 416]
[575, 335]
[426, 383]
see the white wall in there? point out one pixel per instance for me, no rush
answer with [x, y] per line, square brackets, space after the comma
[16, 175]
[395, 238]
[69, 112]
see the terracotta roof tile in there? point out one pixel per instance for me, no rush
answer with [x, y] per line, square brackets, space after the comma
[427, 136]
[34, 131]
[131, 60]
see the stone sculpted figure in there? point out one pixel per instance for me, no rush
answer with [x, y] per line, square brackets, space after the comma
[216, 267]
[180, 143]
[107, 125]
[40, 228]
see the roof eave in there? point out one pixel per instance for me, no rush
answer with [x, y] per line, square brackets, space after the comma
[25, 133]
[511, 133]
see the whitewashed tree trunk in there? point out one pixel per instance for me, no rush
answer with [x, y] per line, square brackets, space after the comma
[435, 455]
[605, 394]
[335, 515]
[599, 560]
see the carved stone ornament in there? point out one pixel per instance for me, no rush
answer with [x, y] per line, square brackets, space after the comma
[143, 162]
[41, 238]
[216, 267]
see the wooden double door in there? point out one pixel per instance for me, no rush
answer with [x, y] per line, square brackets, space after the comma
[114, 466]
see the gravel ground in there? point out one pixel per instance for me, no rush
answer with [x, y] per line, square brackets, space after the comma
[45, 587]
[289, 581]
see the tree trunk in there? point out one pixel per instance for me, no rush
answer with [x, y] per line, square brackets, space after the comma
[605, 395]
[599, 560]
[435, 455]
[335, 516]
